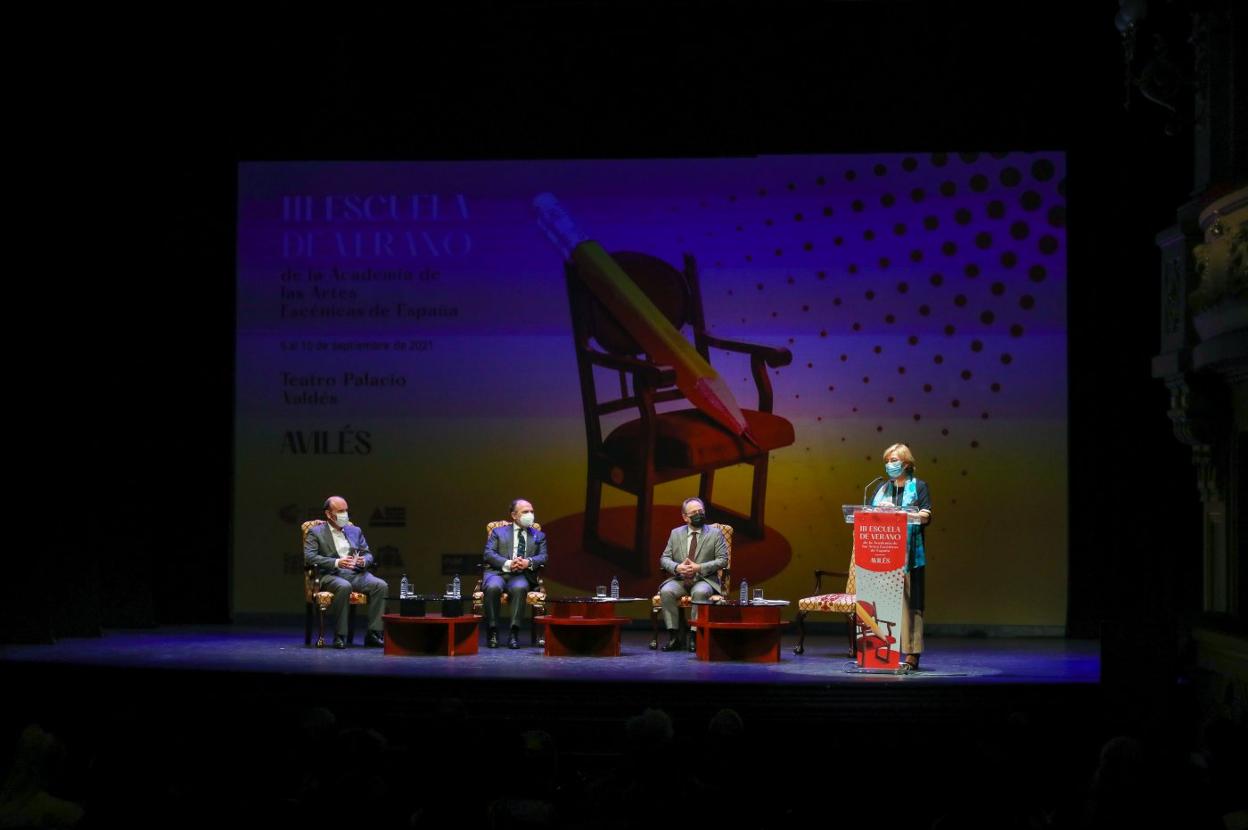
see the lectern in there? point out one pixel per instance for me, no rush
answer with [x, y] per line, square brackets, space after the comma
[880, 536]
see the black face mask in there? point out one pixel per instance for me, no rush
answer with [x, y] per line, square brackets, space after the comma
[697, 519]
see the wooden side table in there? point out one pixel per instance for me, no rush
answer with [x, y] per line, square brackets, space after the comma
[583, 626]
[435, 634]
[733, 631]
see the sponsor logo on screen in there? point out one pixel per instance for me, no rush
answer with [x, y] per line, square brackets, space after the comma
[459, 563]
[388, 516]
[293, 514]
[388, 556]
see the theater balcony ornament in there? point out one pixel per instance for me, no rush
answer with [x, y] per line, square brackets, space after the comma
[1219, 303]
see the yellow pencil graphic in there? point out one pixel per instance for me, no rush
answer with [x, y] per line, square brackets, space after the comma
[869, 620]
[639, 316]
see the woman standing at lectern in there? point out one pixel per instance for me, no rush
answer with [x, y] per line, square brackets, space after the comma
[904, 490]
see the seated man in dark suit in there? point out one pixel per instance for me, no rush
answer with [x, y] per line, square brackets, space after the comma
[342, 558]
[513, 555]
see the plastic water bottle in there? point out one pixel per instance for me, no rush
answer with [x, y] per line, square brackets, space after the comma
[455, 587]
[745, 592]
[405, 588]
[615, 588]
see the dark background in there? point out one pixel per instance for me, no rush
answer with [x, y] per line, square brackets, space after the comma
[170, 115]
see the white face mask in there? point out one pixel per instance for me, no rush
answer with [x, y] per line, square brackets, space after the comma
[341, 519]
[526, 520]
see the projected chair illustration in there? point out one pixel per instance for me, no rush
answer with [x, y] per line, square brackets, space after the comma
[314, 597]
[870, 641]
[821, 603]
[536, 600]
[725, 577]
[653, 447]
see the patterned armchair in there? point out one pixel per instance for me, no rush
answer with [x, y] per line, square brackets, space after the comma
[725, 580]
[536, 600]
[842, 603]
[314, 597]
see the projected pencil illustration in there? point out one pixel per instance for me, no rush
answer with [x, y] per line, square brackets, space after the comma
[868, 620]
[639, 316]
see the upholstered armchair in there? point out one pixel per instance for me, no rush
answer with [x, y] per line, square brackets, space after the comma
[725, 578]
[536, 600]
[315, 598]
[821, 603]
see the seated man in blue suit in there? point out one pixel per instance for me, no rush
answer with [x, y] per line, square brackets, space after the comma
[513, 555]
[342, 558]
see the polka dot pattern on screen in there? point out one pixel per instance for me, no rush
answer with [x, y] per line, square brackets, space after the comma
[833, 258]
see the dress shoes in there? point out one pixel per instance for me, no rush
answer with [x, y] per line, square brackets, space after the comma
[672, 644]
[374, 639]
[340, 641]
[491, 640]
[513, 641]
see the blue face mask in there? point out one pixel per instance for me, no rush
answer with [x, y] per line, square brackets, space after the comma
[894, 468]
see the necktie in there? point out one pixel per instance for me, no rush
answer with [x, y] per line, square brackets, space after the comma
[693, 549]
[520, 544]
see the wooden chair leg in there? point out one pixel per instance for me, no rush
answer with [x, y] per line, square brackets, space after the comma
[705, 485]
[758, 498]
[320, 632]
[641, 540]
[350, 625]
[532, 625]
[655, 613]
[800, 648]
[593, 506]
[849, 629]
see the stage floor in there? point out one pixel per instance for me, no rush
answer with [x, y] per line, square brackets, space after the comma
[235, 649]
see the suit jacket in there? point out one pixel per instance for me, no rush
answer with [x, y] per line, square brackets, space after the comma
[498, 551]
[319, 550]
[711, 555]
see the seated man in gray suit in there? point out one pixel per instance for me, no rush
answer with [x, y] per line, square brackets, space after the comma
[513, 555]
[694, 556]
[342, 558]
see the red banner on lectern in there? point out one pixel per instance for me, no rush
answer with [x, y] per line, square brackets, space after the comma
[880, 541]
[879, 572]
